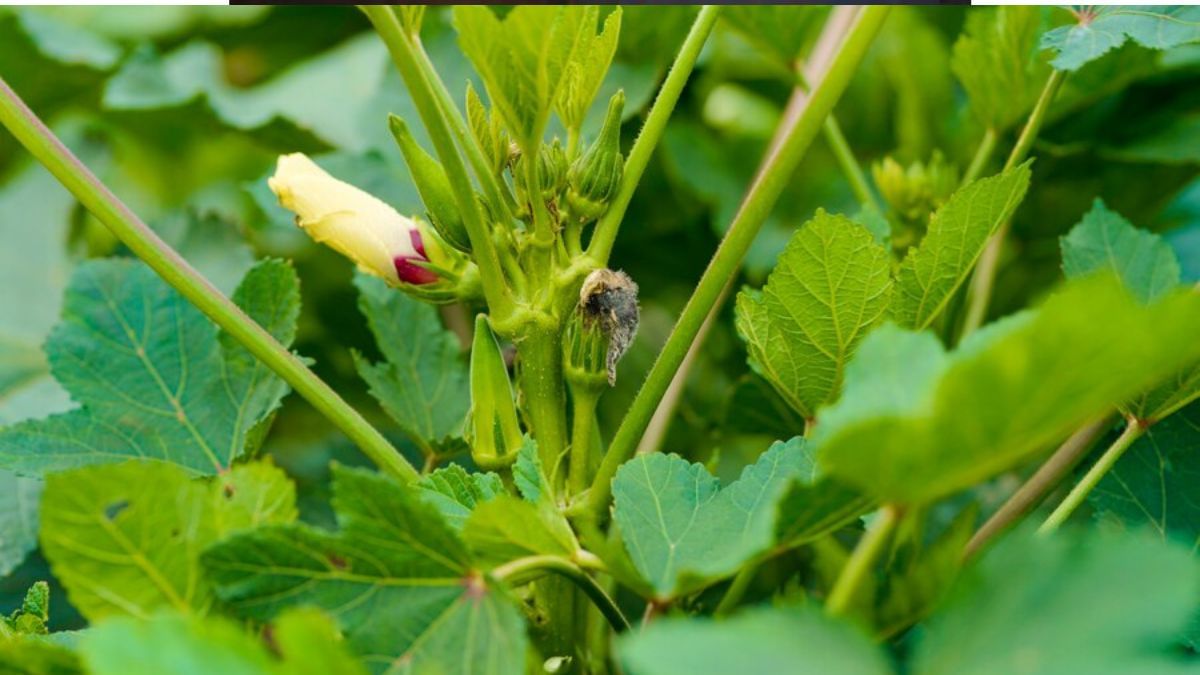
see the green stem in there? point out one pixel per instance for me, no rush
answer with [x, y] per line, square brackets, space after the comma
[861, 560]
[987, 145]
[656, 123]
[1034, 490]
[980, 293]
[541, 381]
[583, 423]
[145, 244]
[404, 55]
[1133, 431]
[799, 131]
[523, 570]
[737, 589]
[850, 166]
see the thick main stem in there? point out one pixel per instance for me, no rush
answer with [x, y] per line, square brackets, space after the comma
[583, 424]
[801, 128]
[541, 383]
[656, 123]
[168, 264]
[980, 293]
[1077, 495]
[861, 560]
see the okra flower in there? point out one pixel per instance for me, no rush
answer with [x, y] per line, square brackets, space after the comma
[356, 224]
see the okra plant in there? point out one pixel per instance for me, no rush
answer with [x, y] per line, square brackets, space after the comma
[937, 457]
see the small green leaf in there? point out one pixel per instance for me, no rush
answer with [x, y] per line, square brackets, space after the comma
[126, 538]
[1019, 609]
[155, 379]
[683, 531]
[916, 424]
[423, 382]
[528, 475]
[172, 643]
[455, 493]
[767, 640]
[396, 577]
[1103, 240]
[507, 528]
[1102, 29]
[998, 63]
[782, 30]
[1152, 486]
[18, 518]
[954, 240]
[588, 66]
[830, 286]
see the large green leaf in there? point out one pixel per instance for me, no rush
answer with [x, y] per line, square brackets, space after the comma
[423, 381]
[523, 59]
[997, 61]
[1101, 29]
[154, 378]
[18, 518]
[1152, 486]
[304, 641]
[397, 578]
[1103, 240]
[769, 640]
[954, 240]
[682, 530]
[830, 286]
[916, 423]
[1104, 605]
[125, 539]
[506, 528]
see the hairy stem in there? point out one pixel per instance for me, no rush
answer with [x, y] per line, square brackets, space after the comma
[1133, 431]
[583, 424]
[656, 123]
[541, 380]
[404, 55]
[1040, 484]
[861, 560]
[168, 264]
[799, 131]
[980, 293]
[523, 570]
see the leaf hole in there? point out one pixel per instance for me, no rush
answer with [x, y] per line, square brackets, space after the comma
[114, 509]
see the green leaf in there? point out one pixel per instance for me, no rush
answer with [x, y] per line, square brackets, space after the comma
[814, 505]
[830, 286]
[186, 88]
[954, 240]
[1147, 265]
[1031, 606]
[1152, 486]
[528, 475]
[306, 641]
[768, 640]
[423, 382]
[998, 63]
[153, 377]
[755, 408]
[30, 656]
[682, 530]
[588, 66]
[1103, 240]
[782, 30]
[523, 59]
[455, 493]
[32, 616]
[1101, 29]
[396, 577]
[507, 528]
[126, 538]
[916, 424]
[18, 518]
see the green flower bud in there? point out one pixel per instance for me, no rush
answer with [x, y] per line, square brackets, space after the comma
[917, 190]
[494, 432]
[433, 185]
[601, 329]
[596, 174]
[551, 170]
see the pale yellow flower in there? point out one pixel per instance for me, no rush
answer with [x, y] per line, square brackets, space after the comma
[356, 224]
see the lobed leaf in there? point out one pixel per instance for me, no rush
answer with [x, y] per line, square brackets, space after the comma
[997, 60]
[916, 424]
[455, 493]
[830, 286]
[588, 65]
[1102, 29]
[1104, 240]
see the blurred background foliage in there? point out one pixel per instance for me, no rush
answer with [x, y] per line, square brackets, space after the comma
[182, 111]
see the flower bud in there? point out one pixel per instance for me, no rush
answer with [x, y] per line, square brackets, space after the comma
[495, 433]
[433, 185]
[596, 174]
[551, 170]
[917, 190]
[356, 224]
[602, 328]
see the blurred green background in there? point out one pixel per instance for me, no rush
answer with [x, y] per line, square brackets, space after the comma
[182, 111]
